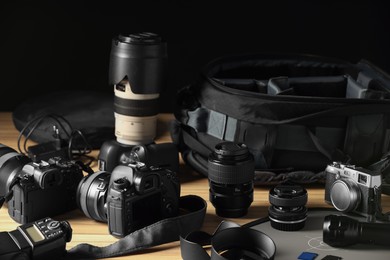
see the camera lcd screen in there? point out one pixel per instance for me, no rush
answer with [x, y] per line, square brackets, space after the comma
[147, 210]
[35, 234]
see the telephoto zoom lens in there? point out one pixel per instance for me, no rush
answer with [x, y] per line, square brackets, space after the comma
[231, 169]
[137, 64]
[288, 211]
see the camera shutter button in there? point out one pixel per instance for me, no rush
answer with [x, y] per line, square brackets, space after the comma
[53, 225]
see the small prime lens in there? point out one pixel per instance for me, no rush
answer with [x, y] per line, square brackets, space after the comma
[231, 170]
[11, 163]
[137, 73]
[92, 195]
[287, 211]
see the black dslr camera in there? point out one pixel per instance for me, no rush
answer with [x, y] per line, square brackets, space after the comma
[132, 197]
[38, 189]
[45, 189]
[351, 189]
[139, 196]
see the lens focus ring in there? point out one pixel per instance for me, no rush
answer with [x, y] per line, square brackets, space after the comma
[132, 107]
[297, 197]
[231, 174]
[231, 163]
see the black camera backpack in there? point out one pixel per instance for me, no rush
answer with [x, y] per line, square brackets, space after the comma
[296, 114]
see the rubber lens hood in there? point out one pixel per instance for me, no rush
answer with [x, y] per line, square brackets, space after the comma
[230, 241]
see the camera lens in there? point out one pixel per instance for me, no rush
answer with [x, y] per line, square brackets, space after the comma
[287, 211]
[11, 163]
[92, 194]
[136, 71]
[231, 170]
[345, 195]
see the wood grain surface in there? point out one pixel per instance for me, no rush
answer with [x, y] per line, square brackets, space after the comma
[86, 230]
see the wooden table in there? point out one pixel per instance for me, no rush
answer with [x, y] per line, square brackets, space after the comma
[86, 230]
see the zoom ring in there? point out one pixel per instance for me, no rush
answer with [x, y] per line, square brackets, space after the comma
[231, 174]
[288, 202]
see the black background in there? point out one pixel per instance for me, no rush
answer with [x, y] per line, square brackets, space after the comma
[55, 45]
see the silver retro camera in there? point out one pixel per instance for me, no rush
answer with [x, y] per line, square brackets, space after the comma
[352, 189]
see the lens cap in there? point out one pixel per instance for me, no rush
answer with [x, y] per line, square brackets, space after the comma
[140, 38]
[231, 149]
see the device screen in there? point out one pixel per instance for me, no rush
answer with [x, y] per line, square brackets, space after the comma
[35, 234]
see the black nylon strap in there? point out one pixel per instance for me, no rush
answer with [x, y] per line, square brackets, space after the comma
[383, 166]
[361, 109]
[164, 231]
[332, 155]
[195, 145]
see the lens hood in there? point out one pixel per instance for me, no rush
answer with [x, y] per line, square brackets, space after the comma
[229, 241]
[142, 59]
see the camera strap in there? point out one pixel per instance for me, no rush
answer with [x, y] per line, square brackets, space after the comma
[193, 211]
[383, 166]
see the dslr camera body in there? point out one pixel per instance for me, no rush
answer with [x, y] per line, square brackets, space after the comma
[45, 189]
[139, 196]
[352, 189]
[162, 155]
